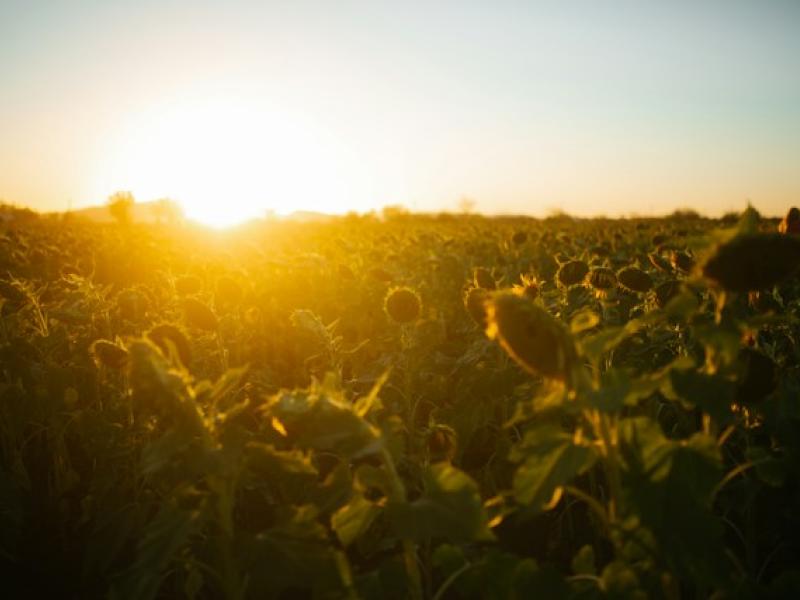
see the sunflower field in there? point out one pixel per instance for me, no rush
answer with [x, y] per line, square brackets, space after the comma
[424, 407]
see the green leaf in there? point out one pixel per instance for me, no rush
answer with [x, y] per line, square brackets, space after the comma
[389, 581]
[710, 393]
[502, 576]
[583, 321]
[163, 452]
[279, 463]
[552, 459]
[610, 396]
[539, 439]
[230, 382]
[644, 448]
[545, 583]
[583, 563]
[450, 508]
[448, 558]
[321, 421]
[161, 540]
[298, 556]
[722, 341]
[595, 346]
[771, 470]
[354, 519]
[368, 478]
[620, 580]
[308, 321]
[550, 398]
[289, 471]
[364, 404]
[667, 487]
[682, 306]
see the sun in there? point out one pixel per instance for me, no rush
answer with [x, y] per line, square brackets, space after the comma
[227, 161]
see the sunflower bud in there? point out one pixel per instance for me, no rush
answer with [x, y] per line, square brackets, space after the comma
[531, 336]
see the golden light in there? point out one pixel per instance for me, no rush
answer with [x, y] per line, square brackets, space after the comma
[226, 161]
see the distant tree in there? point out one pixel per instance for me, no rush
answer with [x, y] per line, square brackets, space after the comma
[730, 217]
[684, 214]
[466, 205]
[120, 205]
[166, 211]
[394, 211]
[558, 214]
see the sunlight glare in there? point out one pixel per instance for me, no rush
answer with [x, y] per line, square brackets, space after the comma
[226, 162]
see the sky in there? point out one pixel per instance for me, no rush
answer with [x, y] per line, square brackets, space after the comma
[234, 108]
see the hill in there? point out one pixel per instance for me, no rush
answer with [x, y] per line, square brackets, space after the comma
[141, 212]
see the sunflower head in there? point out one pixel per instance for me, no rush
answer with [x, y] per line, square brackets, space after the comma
[753, 261]
[572, 272]
[402, 305]
[602, 279]
[198, 315]
[109, 354]
[531, 336]
[634, 279]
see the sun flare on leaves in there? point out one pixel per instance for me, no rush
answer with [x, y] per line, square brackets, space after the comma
[227, 162]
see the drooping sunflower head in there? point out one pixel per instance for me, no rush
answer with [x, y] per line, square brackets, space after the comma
[602, 279]
[572, 272]
[634, 279]
[753, 261]
[531, 336]
[109, 354]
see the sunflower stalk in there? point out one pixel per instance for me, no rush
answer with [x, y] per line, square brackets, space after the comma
[398, 494]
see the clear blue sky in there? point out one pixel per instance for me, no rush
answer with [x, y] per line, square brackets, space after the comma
[591, 107]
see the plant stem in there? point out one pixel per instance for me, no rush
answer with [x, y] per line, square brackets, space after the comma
[409, 548]
[604, 429]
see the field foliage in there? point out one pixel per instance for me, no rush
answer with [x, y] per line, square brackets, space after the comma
[418, 407]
